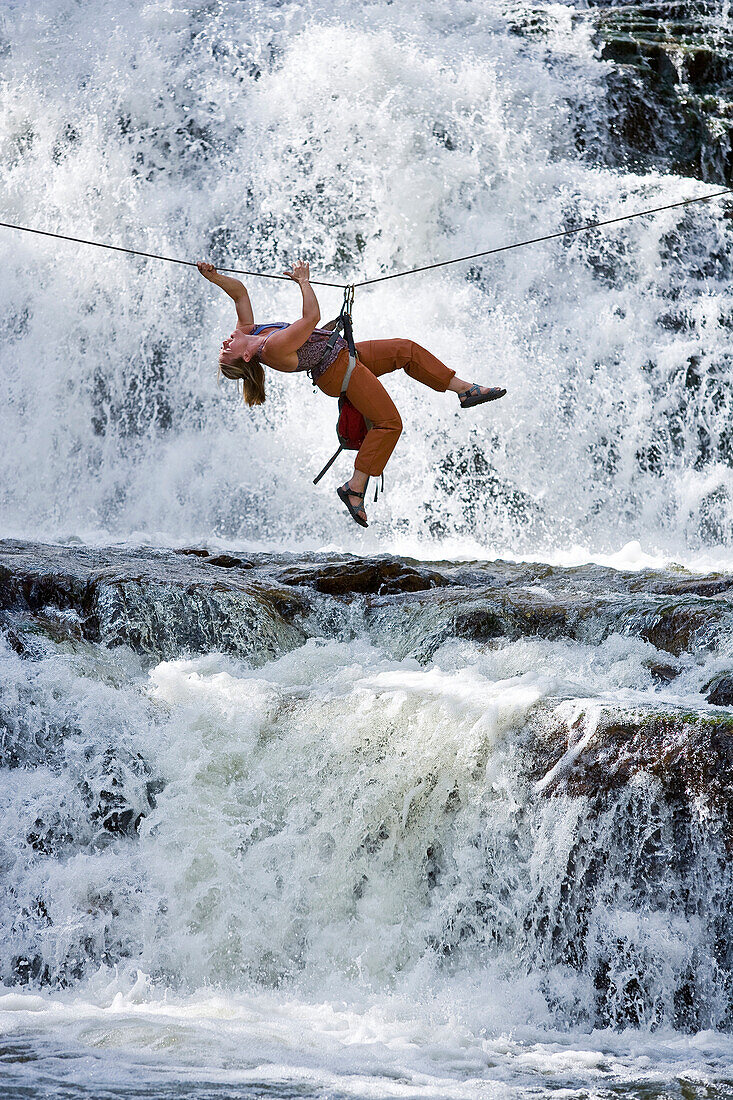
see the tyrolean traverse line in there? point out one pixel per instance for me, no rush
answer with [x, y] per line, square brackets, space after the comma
[547, 237]
[397, 274]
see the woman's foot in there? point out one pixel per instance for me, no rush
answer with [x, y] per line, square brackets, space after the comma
[354, 502]
[477, 395]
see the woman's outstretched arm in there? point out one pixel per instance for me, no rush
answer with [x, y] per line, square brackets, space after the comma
[295, 335]
[234, 289]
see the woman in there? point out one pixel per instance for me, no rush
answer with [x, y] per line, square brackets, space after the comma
[300, 347]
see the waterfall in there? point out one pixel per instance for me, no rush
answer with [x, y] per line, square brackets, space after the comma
[191, 132]
[441, 808]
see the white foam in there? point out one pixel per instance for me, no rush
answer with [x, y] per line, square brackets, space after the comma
[412, 148]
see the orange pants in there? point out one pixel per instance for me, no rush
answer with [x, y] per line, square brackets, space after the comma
[367, 394]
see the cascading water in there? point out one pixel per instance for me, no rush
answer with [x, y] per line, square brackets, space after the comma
[202, 132]
[301, 825]
[383, 837]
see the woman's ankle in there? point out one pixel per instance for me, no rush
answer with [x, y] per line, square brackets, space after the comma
[358, 482]
[457, 385]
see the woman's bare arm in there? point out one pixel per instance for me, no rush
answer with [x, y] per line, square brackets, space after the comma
[295, 335]
[234, 289]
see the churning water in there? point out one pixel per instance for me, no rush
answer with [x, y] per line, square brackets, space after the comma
[344, 885]
[366, 140]
[322, 871]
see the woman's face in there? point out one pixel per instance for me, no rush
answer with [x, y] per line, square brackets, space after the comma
[239, 346]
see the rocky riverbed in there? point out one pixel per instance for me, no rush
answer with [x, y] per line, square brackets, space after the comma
[357, 825]
[166, 604]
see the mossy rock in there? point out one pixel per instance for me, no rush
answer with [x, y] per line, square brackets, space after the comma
[671, 87]
[689, 754]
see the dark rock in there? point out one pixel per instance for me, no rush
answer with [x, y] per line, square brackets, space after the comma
[49, 838]
[690, 756]
[117, 790]
[153, 788]
[664, 674]
[478, 624]
[159, 603]
[704, 66]
[682, 585]
[285, 604]
[37, 590]
[164, 604]
[622, 49]
[653, 837]
[546, 619]
[64, 627]
[675, 629]
[165, 620]
[31, 969]
[119, 818]
[720, 691]
[669, 96]
[226, 561]
[15, 642]
[382, 576]
[426, 620]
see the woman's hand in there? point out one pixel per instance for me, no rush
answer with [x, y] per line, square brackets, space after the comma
[299, 273]
[233, 288]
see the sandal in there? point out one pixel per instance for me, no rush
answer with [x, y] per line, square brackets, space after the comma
[474, 396]
[344, 492]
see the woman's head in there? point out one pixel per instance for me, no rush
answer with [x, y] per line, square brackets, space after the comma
[238, 361]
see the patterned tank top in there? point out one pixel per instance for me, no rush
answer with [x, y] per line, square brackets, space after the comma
[310, 353]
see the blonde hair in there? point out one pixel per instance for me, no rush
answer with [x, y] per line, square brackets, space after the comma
[252, 376]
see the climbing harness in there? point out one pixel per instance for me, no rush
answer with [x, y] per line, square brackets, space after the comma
[351, 426]
[342, 324]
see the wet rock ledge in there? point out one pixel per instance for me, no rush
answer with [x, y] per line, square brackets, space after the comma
[668, 79]
[170, 603]
[671, 89]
